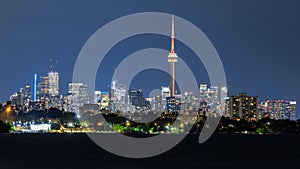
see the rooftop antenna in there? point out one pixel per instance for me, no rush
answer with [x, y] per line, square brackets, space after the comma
[53, 64]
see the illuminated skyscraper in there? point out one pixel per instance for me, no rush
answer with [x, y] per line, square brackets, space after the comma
[278, 109]
[213, 101]
[213, 95]
[203, 93]
[26, 92]
[157, 104]
[120, 97]
[136, 97]
[223, 98]
[209, 99]
[17, 99]
[43, 87]
[223, 95]
[172, 58]
[97, 97]
[189, 102]
[243, 107]
[165, 92]
[78, 96]
[53, 83]
[171, 104]
[104, 104]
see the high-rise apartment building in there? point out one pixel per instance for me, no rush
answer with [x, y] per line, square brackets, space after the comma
[243, 107]
[278, 109]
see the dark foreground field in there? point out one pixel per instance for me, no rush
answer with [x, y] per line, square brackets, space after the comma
[39, 151]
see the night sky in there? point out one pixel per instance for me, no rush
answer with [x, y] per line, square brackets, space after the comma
[258, 42]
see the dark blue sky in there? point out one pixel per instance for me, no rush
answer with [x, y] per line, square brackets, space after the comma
[258, 41]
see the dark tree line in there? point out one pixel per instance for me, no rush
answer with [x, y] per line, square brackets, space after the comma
[263, 126]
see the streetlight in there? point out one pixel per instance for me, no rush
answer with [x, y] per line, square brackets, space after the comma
[8, 110]
[127, 123]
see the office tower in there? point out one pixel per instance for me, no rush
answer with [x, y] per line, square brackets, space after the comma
[97, 97]
[209, 100]
[223, 97]
[117, 96]
[121, 96]
[203, 97]
[78, 95]
[243, 107]
[223, 94]
[26, 92]
[112, 90]
[157, 104]
[136, 97]
[203, 93]
[172, 58]
[43, 87]
[213, 101]
[171, 104]
[213, 95]
[165, 92]
[104, 100]
[53, 83]
[148, 103]
[189, 102]
[73, 97]
[278, 109]
[17, 99]
[84, 94]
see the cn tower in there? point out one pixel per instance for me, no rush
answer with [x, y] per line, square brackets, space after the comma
[172, 58]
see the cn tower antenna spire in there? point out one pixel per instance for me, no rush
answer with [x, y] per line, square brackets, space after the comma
[173, 36]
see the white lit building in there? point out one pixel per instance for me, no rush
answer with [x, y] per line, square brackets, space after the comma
[209, 99]
[40, 127]
[17, 99]
[165, 92]
[53, 83]
[203, 92]
[97, 97]
[223, 98]
[278, 109]
[78, 95]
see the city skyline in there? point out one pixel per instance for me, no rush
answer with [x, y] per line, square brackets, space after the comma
[270, 71]
[213, 100]
[149, 84]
